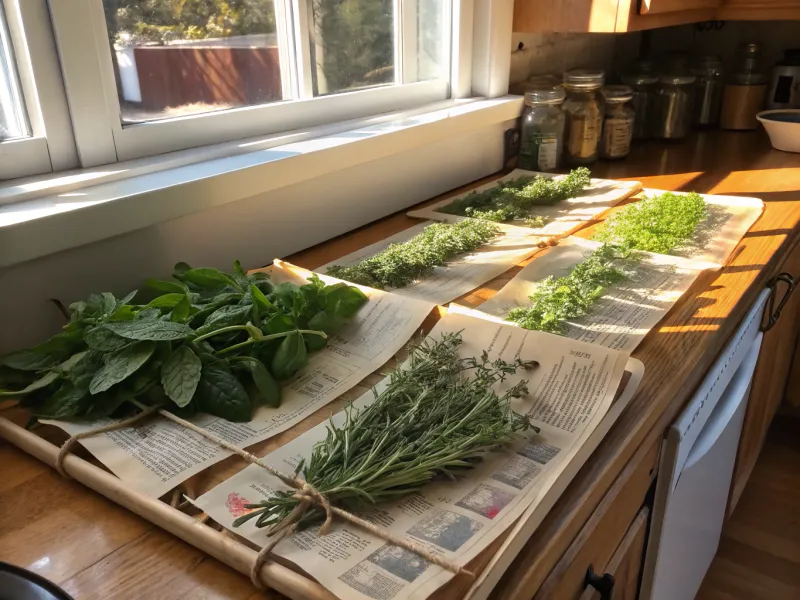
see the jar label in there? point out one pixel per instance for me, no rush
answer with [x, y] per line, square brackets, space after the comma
[548, 154]
[538, 152]
[617, 135]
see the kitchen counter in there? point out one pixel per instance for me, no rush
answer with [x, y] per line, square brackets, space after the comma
[95, 549]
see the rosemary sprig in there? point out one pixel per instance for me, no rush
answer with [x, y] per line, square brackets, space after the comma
[555, 300]
[430, 421]
[658, 224]
[403, 263]
[512, 200]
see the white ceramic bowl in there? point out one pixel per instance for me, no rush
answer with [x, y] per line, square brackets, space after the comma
[783, 128]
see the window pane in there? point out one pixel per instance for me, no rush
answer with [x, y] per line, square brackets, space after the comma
[180, 57]
[13, 123]
[357, 44]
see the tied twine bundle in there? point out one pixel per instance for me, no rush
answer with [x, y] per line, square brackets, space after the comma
[305, 493]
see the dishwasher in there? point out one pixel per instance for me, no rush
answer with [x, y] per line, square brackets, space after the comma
[697, 459]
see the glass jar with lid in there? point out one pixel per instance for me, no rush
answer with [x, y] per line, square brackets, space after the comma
[542, 137]
[643, 81]
[708, 90]
[745, 90]
[674, 103]
[618, 122]
[583, 109]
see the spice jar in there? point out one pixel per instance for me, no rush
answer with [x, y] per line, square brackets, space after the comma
[542, 136]
[674, 101]
[618, 122]
[583, 110]
[708, 91]
[643, 102]
[745, 91]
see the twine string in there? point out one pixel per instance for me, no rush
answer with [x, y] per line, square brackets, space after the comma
[306, 493]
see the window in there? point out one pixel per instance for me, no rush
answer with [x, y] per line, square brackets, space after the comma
[92, 82]
[178, 74]
[13, 120]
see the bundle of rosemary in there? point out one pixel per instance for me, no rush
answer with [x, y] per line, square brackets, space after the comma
[432, 420]
[403, 263]
[511, 200]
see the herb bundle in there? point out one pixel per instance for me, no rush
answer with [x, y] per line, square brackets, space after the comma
[556, 299]
[208, 341]
[657, 224]
[511, 200]
[430, 421]
[405, 262]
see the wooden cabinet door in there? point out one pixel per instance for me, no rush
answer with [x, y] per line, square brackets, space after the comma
[770, 381]
[649, 7]
[762, 10]
[626, 564]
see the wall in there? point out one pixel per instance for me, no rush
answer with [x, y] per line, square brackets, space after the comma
[558, 52]
[254, 230]
[775, 37]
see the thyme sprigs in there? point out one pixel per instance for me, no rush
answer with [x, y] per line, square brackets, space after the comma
[658, 224]
[512, 200]
[557, 299]
[431, 420]
[403, 263]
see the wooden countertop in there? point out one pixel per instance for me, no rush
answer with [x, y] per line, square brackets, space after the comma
[95, 549]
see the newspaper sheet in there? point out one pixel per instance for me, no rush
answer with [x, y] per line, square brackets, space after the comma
[570, 392]
[562, 218]
[158, 455]
[729, 218]
[621, 318]
[463, 274]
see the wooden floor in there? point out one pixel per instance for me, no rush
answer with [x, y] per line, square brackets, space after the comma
[759, 555]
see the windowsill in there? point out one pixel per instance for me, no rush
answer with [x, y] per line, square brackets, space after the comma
[50, 214]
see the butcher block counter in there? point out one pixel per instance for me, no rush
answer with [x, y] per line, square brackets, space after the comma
[95, 549]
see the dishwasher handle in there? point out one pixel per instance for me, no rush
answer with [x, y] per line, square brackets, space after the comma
[604, 584]
[737, 392]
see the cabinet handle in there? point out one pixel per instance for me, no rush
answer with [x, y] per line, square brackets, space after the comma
[603, 584]
[775, 313]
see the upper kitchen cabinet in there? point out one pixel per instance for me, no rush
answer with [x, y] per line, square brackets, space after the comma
[610, 16]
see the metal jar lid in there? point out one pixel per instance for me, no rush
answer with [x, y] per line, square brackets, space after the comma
[545, 95]
[616, 94]
[584, 79]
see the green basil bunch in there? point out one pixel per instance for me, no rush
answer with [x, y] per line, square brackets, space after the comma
[208, 341]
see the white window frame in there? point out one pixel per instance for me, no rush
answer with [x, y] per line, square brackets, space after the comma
[100, 137]
[50, 146]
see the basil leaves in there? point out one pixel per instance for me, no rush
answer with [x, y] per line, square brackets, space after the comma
[206, 341]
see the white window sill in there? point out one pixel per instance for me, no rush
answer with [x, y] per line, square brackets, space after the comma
[51, 214]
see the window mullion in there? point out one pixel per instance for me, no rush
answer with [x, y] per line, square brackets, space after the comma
[303, 22]
[77, 25]
[290, 85]
[407, 31]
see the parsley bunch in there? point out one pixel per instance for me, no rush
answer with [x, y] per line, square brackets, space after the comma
[437, 417]
[658, 224]
[557, 299]
[512, 200]
[403, 263]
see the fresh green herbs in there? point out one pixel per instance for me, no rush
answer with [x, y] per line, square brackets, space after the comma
[512, 200]
[658, 224]
[431, 420]
[403, 263]
[556, 299]
[207, 341]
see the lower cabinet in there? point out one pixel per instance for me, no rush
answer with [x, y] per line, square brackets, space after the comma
[625, 566]
[771, 378]
[610, 547]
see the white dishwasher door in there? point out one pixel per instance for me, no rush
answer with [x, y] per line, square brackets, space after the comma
[694, 479]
